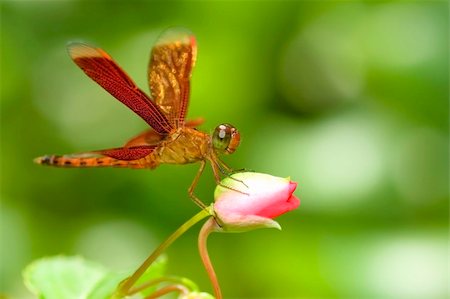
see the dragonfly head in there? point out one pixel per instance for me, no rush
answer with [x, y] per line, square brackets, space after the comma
[225, 139]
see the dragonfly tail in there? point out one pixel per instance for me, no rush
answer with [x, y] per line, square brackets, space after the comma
[71, 162]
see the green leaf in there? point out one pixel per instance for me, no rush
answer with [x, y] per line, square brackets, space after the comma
[75, 278]
[106, 286]
[62, 277]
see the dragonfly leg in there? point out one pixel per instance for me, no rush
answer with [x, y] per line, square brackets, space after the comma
[224, 168]
[243, 170]
[230, 171]
[217, 170]
[240, 181]
[194, 198]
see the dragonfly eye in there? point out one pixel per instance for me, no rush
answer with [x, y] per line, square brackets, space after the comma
[226, 139]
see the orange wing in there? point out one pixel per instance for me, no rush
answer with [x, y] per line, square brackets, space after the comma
[171, 63]
[101, 68]
[147, 137]
[150, 137]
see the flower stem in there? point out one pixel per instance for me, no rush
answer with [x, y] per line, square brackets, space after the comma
[167, 289]
[165, 279]
[208, 227]
[125, 286]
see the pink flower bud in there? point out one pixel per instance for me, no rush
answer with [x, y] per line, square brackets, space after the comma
[250, 200]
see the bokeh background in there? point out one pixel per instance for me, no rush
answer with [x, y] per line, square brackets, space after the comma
[350, 99]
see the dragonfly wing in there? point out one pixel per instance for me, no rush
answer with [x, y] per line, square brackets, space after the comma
[194, 122]
[128, 153]
[169, 72]
[150, 137]
[100, 67]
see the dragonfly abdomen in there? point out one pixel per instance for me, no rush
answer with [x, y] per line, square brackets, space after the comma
[67, 161]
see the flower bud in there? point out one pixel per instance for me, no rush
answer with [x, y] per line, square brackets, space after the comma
[250, 200]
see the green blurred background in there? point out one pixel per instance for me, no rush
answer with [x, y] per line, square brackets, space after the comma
[350, 99]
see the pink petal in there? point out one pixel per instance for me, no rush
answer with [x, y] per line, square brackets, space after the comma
[280, 208]
[292, 187]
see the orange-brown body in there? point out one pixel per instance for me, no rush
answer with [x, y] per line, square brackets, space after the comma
[184, 145]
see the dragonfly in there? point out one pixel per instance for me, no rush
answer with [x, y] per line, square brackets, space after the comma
[171, 139]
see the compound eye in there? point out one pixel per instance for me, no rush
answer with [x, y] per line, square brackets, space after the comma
[221, 137]
[225, 138]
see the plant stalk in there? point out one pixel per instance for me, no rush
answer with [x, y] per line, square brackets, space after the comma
[125, 286]
[209, 227]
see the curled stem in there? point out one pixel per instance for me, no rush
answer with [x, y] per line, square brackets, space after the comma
[165, 279]
[124, 287]
[208, 227]
[166, 290]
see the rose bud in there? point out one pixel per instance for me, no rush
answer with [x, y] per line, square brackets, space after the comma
[250, 200]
